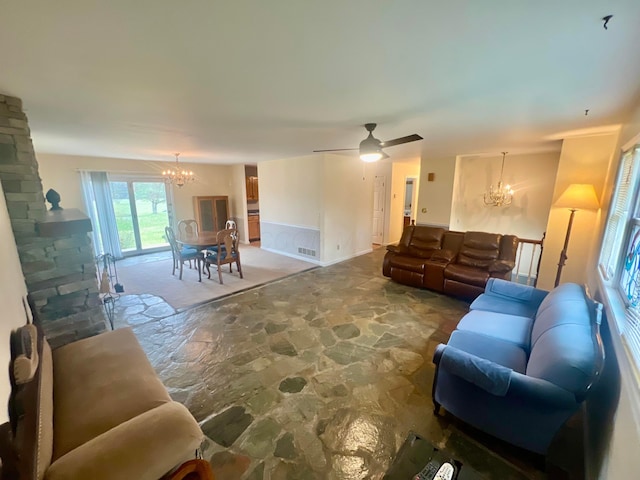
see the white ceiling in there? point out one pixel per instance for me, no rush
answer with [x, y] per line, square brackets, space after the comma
[246, 81]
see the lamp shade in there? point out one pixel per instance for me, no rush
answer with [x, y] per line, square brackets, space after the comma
[578, 196]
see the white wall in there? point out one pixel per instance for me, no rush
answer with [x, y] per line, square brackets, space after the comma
[12, 292]
[61, 172]
[435, 197]
[238, 208]
[291, 193]
[532, 177]
[347, 209]
[621, 461]
[583, 159]
[317, 202]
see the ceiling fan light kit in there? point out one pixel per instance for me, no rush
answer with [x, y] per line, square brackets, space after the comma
[370, 149]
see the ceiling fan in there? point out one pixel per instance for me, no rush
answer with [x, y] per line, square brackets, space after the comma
[371, 148]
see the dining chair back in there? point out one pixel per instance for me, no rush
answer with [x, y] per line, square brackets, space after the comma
[188, 227]
[226, 252]
[182, 254]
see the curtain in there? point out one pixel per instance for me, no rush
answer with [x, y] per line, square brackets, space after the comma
[99, 205]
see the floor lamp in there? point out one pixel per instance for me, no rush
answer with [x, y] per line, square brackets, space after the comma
[577, 196]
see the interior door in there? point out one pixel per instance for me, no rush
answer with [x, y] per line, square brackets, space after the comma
[142, 213]
[378, 209]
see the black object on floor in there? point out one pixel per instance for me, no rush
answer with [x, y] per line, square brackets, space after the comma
[416, 452]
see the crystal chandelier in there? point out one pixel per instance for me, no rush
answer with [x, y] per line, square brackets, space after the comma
[177, 176]
[500, 195]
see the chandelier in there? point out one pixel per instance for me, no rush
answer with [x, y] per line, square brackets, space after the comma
[177, 176]
[500, 195]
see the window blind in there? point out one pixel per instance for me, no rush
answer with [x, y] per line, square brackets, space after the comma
[618, 215]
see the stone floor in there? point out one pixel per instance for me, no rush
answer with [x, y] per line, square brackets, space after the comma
[320, 375]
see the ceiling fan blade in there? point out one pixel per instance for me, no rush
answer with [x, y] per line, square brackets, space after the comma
[399, 141]
[336, 150]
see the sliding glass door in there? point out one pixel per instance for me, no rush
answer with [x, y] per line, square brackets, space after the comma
[142, 212]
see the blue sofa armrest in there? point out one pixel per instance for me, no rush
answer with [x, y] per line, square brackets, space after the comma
[540, 393]
[510, 298]
[501, 381]
[485, 374]
[515, 291]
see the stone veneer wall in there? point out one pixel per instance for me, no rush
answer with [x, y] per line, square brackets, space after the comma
[60, 272]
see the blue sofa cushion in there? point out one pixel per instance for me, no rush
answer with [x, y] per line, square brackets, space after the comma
[566, 356]
[564, 305]
[510, 328]
[495, 350]
[509, 297]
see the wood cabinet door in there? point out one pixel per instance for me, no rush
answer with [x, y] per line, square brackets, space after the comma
[254, 228]
[252, 188]
[211, 212]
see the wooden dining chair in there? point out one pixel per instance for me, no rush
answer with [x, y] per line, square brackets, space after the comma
[181, 255]
[188, 228]
[226, 252]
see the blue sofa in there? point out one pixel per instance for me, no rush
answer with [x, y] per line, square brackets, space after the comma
[520, 363]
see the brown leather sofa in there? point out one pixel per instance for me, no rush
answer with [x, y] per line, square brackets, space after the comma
[456, 263]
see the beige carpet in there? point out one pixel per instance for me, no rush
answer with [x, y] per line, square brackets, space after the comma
[151, 275]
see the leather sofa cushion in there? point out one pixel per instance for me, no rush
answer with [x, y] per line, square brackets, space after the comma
[407, 263]
[99, 383]
[466, 274]
[425, 240]
[479, 249]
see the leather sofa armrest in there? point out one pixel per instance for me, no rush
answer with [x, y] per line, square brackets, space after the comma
[145, 447]
[501, 266]
[396, 249]
[443, 256]
[484, 374]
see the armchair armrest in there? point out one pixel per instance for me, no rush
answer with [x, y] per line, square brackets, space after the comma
[145, 448]
[484, 374]
[396, 249]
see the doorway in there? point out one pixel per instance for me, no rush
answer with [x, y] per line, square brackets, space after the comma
[141, 213]
[378, 209]
[410, 196]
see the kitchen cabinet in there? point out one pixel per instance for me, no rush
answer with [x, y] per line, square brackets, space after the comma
[254, 227]
[211, 212]
[252, 188]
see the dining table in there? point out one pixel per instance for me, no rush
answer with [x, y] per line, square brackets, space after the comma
[201, 241]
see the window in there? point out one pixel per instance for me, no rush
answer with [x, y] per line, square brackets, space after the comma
[620, 254]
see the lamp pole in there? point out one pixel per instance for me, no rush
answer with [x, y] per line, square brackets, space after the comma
[563, 253]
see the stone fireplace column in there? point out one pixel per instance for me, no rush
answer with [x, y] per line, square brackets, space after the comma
[54, 247]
